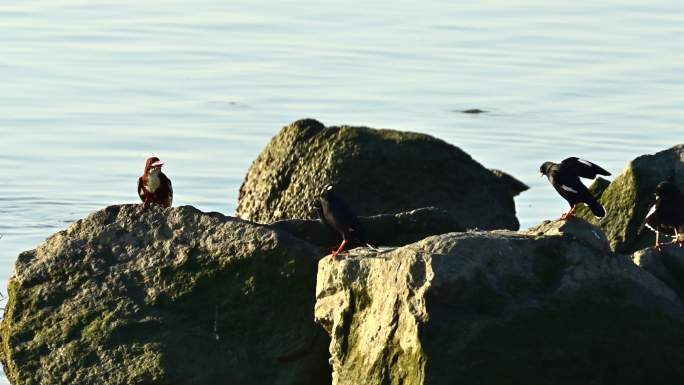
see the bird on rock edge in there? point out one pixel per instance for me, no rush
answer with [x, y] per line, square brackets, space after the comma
[666, 215]
[154, 186]
[340, 217]
[565, 178]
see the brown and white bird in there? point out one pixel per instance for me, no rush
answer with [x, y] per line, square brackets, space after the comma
[154, 186]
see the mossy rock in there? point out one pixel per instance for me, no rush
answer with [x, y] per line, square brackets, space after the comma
[552, 305]
[628, 198]
[378, 171]
[168, 296]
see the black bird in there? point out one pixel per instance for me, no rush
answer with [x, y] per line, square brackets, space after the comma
[565, 178]
[154, 186]
[339, 216]
[666, 215]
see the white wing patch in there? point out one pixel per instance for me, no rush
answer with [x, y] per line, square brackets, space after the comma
[651, 211]
[570, 189]
[588, 163]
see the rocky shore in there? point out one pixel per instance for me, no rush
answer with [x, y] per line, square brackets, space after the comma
[453, 295]
[551, 305]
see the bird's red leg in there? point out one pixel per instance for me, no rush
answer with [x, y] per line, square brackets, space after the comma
[146, 204]
[657, 245]
[570, 214]
[339, 249]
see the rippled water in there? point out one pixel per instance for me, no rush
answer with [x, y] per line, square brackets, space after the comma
[91, 88]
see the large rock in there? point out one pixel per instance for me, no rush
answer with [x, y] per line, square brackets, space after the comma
[552, 305]
[377, 172]
[171, 296]
[628, 198]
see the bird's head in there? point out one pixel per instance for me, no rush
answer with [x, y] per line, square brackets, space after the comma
[327, 190]
[544, 168]
[153, 165]
[665, 189]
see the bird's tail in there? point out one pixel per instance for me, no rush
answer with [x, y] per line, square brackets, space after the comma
[363, 241]
[597, 208]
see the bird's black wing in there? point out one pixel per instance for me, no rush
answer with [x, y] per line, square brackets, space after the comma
[342, 217]
[583, 168]
[570, 187]
[647, 219]
[321, 216]
[141, 189]
[165, 181]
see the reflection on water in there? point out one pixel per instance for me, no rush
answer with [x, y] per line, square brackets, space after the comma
[91, 89]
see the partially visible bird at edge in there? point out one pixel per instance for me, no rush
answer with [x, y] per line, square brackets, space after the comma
[666, 214]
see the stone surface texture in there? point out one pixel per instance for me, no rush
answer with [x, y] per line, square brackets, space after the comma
[377, 171]
[169, 296]
[550, 305]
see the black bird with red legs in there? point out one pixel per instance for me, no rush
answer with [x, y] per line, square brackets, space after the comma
[565, 178]
[340, 217]
[154, 186]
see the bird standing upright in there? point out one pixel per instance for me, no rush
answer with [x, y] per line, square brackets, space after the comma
[154, 186]
[666, 215]
[338, 215]
[565, 178]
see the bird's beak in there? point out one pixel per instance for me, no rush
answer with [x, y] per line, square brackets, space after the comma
[158, 163]
[541, 174]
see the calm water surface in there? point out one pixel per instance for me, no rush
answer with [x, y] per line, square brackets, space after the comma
[91, 88]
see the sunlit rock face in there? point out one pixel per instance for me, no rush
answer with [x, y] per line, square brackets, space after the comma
[552, 305]
[168, 296]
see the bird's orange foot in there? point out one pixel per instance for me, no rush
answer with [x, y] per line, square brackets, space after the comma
[678, 242]
[658, 246]
[567, 216]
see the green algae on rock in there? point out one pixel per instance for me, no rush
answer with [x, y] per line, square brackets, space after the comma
[628, 198]
[169, 296]
[550, 305]
[378, 171]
